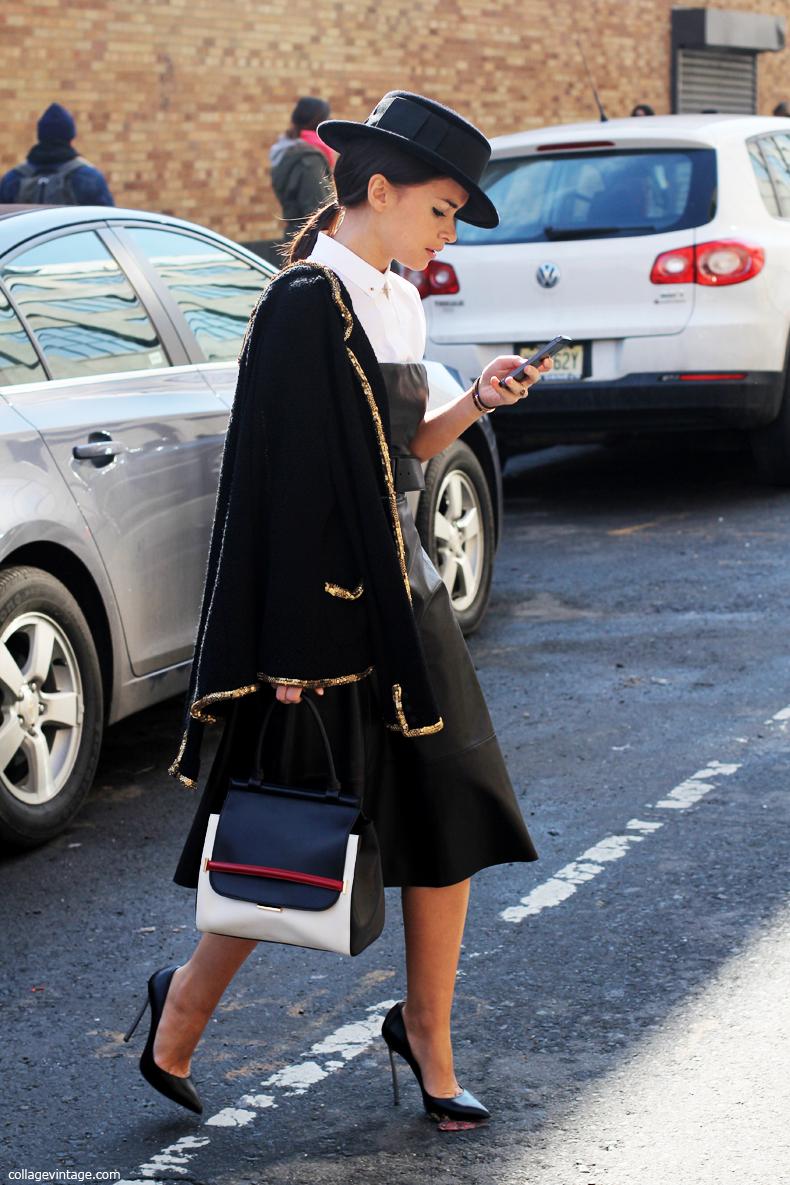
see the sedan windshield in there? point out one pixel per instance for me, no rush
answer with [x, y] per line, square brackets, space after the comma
[597, 195]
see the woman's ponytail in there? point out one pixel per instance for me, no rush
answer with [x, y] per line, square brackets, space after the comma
[302, 243]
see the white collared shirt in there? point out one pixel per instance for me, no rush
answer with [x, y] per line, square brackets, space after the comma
[388, 307]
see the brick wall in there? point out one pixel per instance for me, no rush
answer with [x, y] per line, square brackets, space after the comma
[178, 100]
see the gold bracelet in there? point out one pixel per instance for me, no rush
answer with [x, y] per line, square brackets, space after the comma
[478, 402]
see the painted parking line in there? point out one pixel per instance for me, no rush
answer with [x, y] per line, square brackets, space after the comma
[566, 881]
[334, 1052]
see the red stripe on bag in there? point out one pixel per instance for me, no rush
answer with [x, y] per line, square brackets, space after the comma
[279, 874]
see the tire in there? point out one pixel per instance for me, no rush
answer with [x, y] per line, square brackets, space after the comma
[455, 519]
[770, 444]
[51, 707]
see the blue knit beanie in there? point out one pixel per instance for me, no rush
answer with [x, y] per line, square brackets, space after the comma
[56, 124]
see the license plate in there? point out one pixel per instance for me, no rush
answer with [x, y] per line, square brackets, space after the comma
[568, 362]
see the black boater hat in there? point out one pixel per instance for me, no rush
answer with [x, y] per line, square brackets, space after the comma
[431, 131]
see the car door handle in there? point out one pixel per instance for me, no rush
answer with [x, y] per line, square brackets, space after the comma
[98, 450]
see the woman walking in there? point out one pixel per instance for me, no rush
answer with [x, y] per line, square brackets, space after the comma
[317, 583]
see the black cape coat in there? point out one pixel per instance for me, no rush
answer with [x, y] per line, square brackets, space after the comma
[306, 581]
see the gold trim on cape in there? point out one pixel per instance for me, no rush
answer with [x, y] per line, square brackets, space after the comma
[190, 783]
[196, 707]
[387, 466]
[197, 713]
[345, 594]
[174, 770]
[403, 724]
[337, 681]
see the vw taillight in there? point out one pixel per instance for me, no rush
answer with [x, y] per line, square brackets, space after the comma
[438, 279]
[728, 262]
[725, 261]
[674, 267]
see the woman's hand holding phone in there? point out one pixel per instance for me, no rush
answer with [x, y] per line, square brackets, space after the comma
[496, 388]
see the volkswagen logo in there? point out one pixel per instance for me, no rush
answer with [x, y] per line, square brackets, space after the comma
[548, 275]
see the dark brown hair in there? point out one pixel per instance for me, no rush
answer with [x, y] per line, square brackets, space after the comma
[355, 166]
[308, 113]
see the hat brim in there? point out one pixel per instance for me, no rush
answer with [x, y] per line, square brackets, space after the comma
[478, 210]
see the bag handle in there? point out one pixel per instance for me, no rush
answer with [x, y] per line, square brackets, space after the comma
[333, 784]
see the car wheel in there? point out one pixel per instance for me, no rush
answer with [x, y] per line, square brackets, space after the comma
[455, 519]
[51, 707]
[771, 445]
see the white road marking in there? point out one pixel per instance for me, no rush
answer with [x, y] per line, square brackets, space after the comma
[695, 787]
[343, 1044]
[298, 1079]
[591, 863]
[346, 1042]
[259, 1101]
[231, 1117]
[641, 825]
[565, 882]
[175, 1157]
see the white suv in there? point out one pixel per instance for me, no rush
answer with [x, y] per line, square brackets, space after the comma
[662, 247]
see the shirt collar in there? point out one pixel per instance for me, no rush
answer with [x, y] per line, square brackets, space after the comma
[350, 266]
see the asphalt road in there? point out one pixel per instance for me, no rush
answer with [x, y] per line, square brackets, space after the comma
[622, 1003]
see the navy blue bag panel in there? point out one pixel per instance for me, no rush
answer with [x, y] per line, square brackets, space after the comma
[279, 827]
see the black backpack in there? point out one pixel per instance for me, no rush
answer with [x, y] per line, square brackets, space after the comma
[53, 189]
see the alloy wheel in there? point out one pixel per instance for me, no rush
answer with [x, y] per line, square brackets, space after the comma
[41, 712]
[459, 538]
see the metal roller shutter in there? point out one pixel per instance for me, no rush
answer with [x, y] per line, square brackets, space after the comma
[716, 79]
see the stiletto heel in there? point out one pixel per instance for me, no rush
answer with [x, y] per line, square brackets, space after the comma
[172, 1086]
[463, 1109]
[137, 1019]
[395, 1087]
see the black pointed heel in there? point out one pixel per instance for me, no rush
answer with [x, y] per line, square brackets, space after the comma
[461, 1108]
[179, 1090]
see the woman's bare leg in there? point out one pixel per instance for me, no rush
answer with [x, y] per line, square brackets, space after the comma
[433, 920]
[434, 924]
[195, 990]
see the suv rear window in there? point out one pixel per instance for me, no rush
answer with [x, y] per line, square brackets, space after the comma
[597, 195]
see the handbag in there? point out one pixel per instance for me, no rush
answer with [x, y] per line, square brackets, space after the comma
[291, 864]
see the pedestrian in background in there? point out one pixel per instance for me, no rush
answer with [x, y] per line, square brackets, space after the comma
[54, 172]
[302, 164]
[782, 108]
[643, 109]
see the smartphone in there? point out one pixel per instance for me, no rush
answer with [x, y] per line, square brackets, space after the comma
[549, 350]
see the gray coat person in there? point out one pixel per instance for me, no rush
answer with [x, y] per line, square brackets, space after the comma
[300, 163]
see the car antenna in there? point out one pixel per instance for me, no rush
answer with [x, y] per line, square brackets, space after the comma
[598, 103]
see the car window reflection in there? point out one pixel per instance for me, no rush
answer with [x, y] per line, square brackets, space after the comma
[82, 308]
[215, 290]
[18, 360]
[777, 157]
